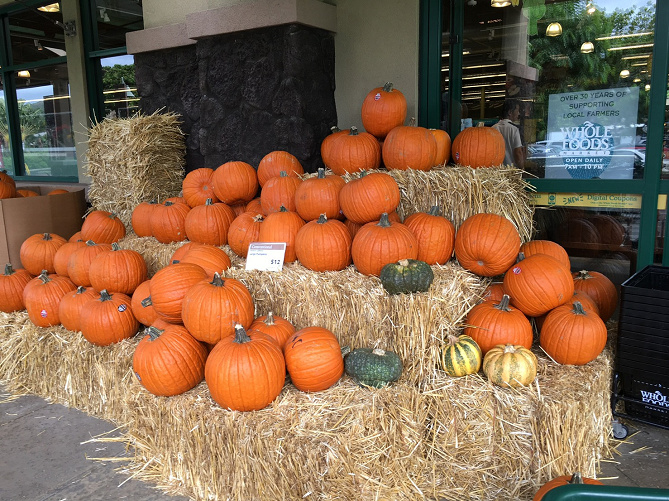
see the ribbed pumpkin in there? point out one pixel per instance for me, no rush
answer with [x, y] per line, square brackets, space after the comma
[244, 230]
[508, 365]
[406, 276]
[576, 478]
[354, 227]
[108, 319]
[37, 252]
[168, 222]
[572, 335]
[175, 200]
[282, 226]
[548, 247]
[181, 251]
[235, 182]
[435, 235]
[62, 256]
[378, 243]
[209, 223]
[274, 326]
[169, 286]
[7, 185]
[478, 147]
[141, 218]
[383, 109]
[169, 361]
[212, 259]
[364, 199]
[490, 324]
[42, 295]
[238, 209]
[326, 145]
[319, 195]
[76, 237]
[79, 264]
[314, 359]
[275, 162]
[142, 306]
[198, 187]
[211, 308]
[102, 227]
[245, 372]
[538, 284]
[409, 147]
[460, 356]
[600, 288]
[12, 283]
[494, 292]
[353, 152]
[71, 306]
[443, 154]
[487, 244]
[254, 206]
[323, 245]
[121, 270]
[279, 192]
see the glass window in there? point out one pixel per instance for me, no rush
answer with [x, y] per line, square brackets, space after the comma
[36, 36]
[114, 19]
[118, 84]
[46, 121]
[6, 162]
[579, 73]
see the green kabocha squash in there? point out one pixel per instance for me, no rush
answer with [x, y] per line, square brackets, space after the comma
[406, 275]
[460, 356]
[373, 367]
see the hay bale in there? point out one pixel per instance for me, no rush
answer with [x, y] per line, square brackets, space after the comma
[133, 160]
[459, 438]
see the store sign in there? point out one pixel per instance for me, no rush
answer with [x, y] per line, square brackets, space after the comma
[266, 256]
[593, 200]
[592, 134]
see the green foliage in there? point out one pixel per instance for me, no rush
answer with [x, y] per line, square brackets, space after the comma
[113, 77]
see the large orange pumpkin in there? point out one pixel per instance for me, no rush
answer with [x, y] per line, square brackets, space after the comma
[282, 226]
[378, 243]
[121, 270]
[244, 230]
[314, 359]
[326, 145]
[572, 335]
[487, 244]
[383, 109]
[538, 284]
[235, 182]
[275, 162]
[323, 245]
[12, 283]
[72, 304]
[41, 297]
[108, 319]
[546, 247]
[478, 147]
[576, 478]
[245, 372]
[353, 152]
[364, 199]
[169, 286]
[600, 288]
[198, 186]
[38, 251]
[319, 195]
[435, 235]
[209, 223]
[409, 147]
[168, 222]
[102, 227]
[279, 191]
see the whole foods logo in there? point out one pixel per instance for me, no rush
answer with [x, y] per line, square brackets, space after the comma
[586, 149]
[655, 398]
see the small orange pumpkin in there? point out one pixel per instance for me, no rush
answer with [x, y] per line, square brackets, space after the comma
[244, 230]
[71, 306]
[277, 327]
[314, 359]
[198, 186]
[600, 288]
[38, 251]
[282, 226]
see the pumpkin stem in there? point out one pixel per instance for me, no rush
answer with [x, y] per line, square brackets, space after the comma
[363, 173]
[241, 336]
[503, 304]
[153, 332]
[509, 348]
[354, 131]
[90, 243]
[217, 281]
[283, 209]
[345, 350]
[378, 351]
[321, 173]
[521, 256]
[258, 218]
[453, 339]
[81, 289]
[283, 173]
[403, 262]
[583, 275]
[116, 246]
[480, 124]
[576, 478]
[209, 201]
[578, 309]
[112, 215]
[334, 129]
[322, 219]
[9, 270]
[168, 203]
[47, 236]
[146, 302]
[44, 277]
[104, 295]
[434, 210]
[270, 319]
[388, 87]
[412, 122]
[384, 222]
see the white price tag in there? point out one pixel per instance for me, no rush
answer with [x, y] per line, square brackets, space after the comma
[266, 256]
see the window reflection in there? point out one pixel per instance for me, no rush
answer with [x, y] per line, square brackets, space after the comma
[119, 88]
[114, 19]
[36, 36]
[6, 162]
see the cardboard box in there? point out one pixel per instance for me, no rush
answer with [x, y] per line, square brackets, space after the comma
[23, 217]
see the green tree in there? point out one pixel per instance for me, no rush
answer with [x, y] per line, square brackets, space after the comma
[31, 119]
[113, 77]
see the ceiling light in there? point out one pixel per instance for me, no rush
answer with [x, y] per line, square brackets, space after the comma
[554, 30]
[500, 3]
[636, 80]
[24, 74]
[587, 47]
[52, 7]
[624, 73]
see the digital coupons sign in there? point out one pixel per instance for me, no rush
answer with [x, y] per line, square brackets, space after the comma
[592, 134]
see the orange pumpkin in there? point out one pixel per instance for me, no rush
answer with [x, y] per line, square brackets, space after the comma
[62, 256]
[169, 286]
[244, 230]
[38, 251]
[254, 206]
[478, 147]
[279, 191]
[245, 372]
[275, 162]
[12, 284]
[58, 191]
[323, 245]
[319, 195]
[141, 304]
[576, 478]
[108, 319]
[121, 270]
[314, 359]
[487, 244]
[181, 251]
[494, 292]
[600, 288]
[41, 297]
[71, 306]
[326, 145]
[364, 199]
[209, 223]
[353, 152]
[27, 193]
[102, 227]
[212, 259]
[168, 222]
[443, 154]
[141, 218]
[383, 109]
[282, 226]
[235, 182]
[7, 185]
[435, 235]
[79, 264]
[277, 327]
[409, 147]
[198, 186]
[546, 247]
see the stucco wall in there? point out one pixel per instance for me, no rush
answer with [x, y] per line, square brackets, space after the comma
[164, 12]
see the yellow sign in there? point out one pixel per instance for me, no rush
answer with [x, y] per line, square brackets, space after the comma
[594, 200]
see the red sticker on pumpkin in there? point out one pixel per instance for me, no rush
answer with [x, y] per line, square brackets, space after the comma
[517, 270]
[43, 313]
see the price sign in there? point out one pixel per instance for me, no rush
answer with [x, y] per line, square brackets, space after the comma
[266, 256]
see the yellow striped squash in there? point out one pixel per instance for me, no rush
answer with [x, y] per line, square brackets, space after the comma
[460, 356]
[509, 365]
